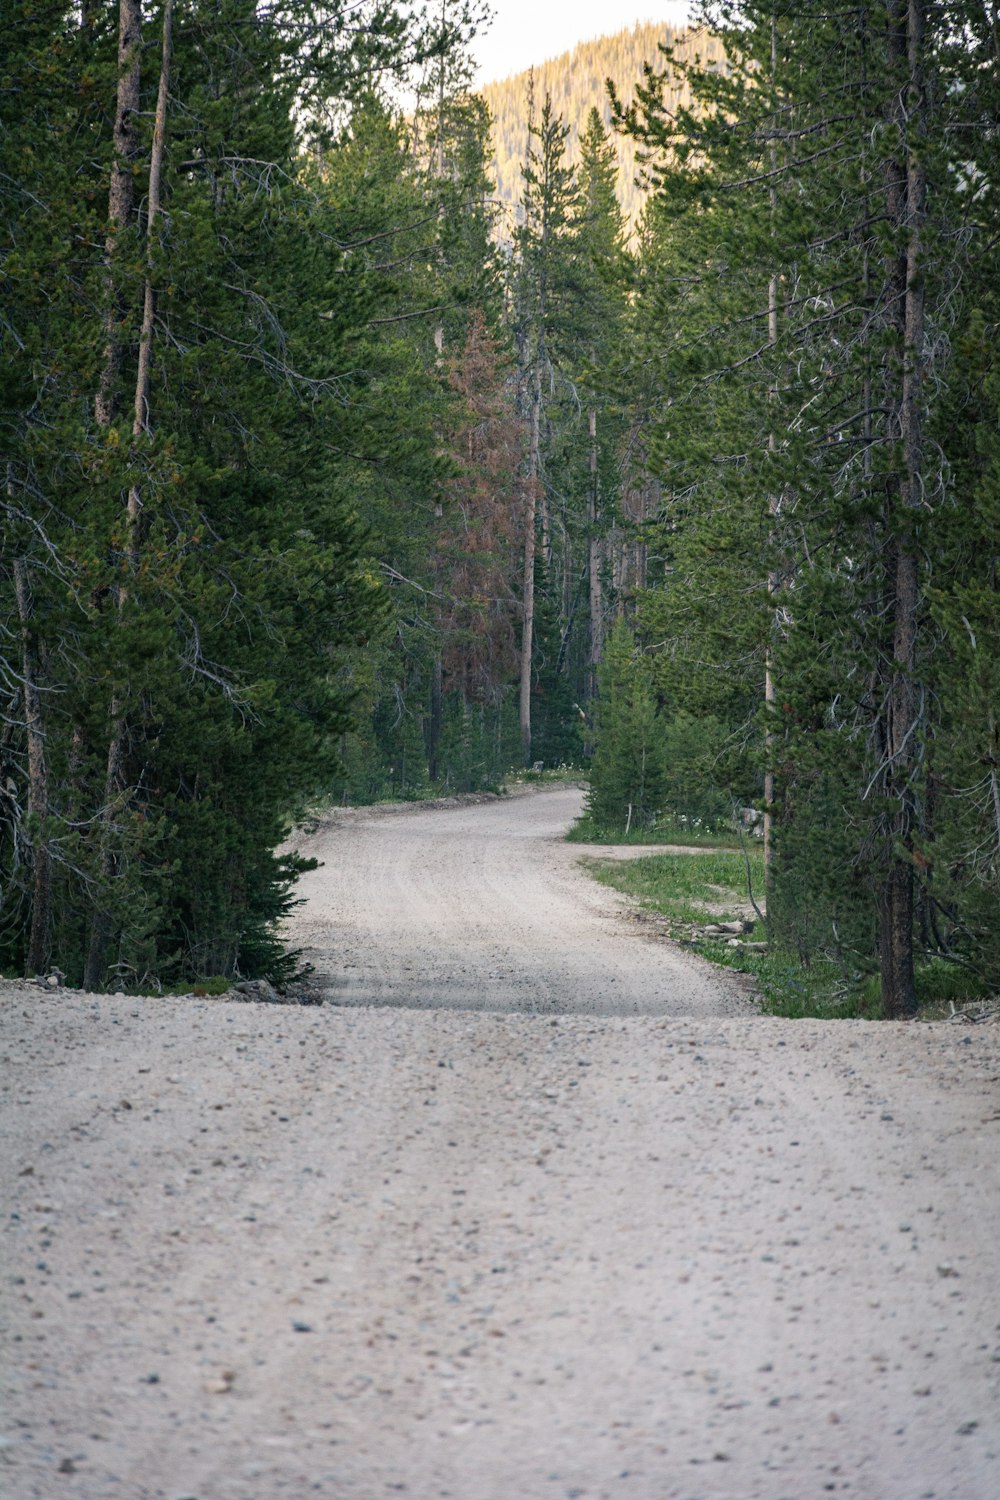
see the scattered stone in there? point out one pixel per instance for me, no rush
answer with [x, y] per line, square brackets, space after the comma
[259, 990]
[300, 1327]
[301, 992]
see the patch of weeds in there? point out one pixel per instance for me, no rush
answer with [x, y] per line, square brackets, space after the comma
[563, 775]
[942, 989]
[690, 888]
[789, 989]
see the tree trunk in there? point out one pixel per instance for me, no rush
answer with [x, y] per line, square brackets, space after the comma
[594, 560]
[435, 719]
[125, 145]
[542, 498]
[773, 508]
[38, 784]
[102, 925]
[770, 692]
[528, 615]
[906, 201]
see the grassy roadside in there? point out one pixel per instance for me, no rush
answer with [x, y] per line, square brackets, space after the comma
[691, 891]
[687, 831]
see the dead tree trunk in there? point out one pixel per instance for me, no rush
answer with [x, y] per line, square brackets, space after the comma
[125, 146]
[435, 718]
[773, 507]
[102, 924]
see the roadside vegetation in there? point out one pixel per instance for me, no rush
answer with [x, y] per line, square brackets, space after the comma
[692, 891]
[688, 832]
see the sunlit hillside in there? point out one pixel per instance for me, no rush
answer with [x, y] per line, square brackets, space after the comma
[576, 82]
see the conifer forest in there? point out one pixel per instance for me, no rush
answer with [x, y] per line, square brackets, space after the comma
[326, 478]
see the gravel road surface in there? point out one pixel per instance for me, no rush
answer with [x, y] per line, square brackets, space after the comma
[487, 1253]
[487, 908]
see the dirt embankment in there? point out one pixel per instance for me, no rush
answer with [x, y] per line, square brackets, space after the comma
[260, 1253]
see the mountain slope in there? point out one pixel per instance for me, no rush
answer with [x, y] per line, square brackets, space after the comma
[576, 82]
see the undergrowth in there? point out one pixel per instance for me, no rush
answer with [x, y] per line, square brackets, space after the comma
[692, 890]
[564, 775]
[207, 984]
[687, 831]
[688, 888]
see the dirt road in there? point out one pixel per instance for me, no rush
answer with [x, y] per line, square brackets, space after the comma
[486, 908]
[253, 1253]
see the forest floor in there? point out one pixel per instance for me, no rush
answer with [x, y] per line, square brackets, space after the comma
[537, 1207]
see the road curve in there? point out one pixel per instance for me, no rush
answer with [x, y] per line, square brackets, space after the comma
[264, 1252]
[486, 907]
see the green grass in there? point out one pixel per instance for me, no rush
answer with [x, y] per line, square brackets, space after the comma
[942, 988]
[210, 984]
[691, 890]
[554, 776]
[665, 831]
[683, 887]
[791, 989]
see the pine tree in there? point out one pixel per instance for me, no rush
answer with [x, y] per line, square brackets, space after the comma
[543, 313]
[602, 270]
[186, 528]
[628, 787]
[814, 251]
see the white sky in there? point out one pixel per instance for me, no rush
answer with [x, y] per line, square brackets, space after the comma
[524, 32]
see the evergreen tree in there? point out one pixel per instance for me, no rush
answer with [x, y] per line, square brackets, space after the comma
[184, 564]
[602, 268]
[628, 787]
[812, 276]
[543, 313]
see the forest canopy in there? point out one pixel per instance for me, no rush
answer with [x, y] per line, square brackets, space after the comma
[327, 479]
